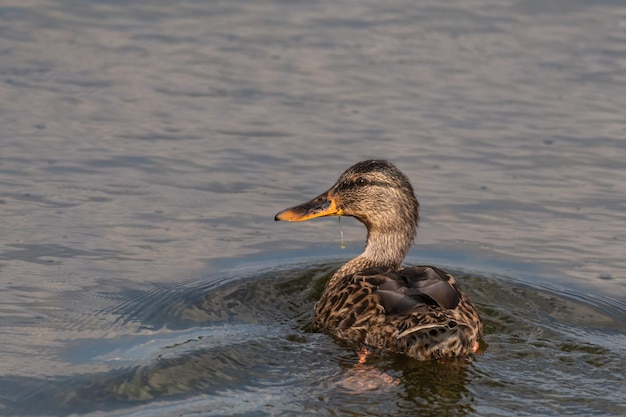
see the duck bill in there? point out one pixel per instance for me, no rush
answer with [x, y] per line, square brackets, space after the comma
[323, 205]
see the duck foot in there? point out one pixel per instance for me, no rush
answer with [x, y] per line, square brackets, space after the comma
[363, 354]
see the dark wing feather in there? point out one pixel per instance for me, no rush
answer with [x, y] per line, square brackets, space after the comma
[412, 289]
[398, 303]
[431, 282]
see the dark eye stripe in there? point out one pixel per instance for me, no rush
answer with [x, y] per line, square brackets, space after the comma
[355, 183]
[381, 183]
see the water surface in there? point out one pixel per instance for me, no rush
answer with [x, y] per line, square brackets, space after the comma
[145, 149]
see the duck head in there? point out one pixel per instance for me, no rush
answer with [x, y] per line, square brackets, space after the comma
[376, 193]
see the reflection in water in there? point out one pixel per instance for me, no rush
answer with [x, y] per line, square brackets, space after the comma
[439, 388]
[250, 338]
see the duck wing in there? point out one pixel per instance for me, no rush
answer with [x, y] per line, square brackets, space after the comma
[418, 288]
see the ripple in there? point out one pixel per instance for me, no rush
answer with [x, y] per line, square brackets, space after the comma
[248, 335]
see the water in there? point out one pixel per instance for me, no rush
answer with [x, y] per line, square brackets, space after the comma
[242, 345]
[145, 149]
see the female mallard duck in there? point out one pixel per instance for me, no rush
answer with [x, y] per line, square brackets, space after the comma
[370, 301]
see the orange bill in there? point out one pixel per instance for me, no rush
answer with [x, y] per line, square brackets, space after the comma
[323, 205]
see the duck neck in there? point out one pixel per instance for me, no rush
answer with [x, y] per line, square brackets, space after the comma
[386, 248]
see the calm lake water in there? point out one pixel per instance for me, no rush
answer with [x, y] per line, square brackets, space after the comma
[146, 147]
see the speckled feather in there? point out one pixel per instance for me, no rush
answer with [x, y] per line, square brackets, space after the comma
[426, 318]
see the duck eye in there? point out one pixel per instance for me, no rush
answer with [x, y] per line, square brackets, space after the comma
[361, 181]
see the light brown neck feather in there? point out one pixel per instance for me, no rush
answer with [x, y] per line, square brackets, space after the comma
[382, 249]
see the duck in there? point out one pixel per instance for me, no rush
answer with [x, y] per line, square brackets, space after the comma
[372, 301]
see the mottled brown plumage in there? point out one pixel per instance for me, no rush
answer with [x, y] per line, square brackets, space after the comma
[371, 301]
